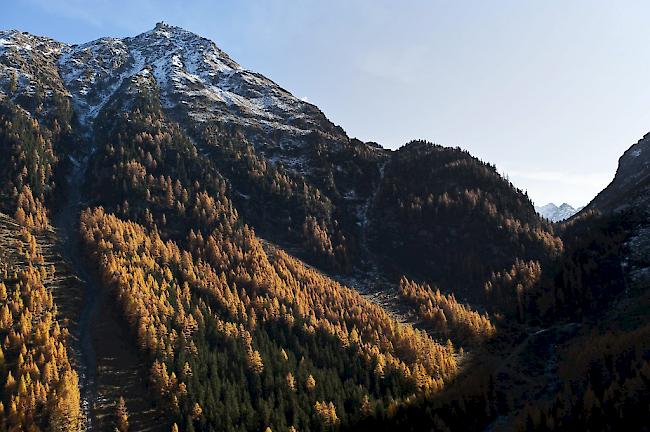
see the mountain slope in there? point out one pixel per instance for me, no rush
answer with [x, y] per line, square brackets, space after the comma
[626, 201]
[220, 221]
[450, 218]
[193, 75]
[37, 302]
[584, 362]
[279, 326]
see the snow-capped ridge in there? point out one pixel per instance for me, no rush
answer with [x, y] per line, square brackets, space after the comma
[556, 214]
[28, 44]
[28, 65]
[193, 75]
[194, 79]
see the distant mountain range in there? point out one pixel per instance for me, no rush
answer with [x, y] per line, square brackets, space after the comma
[555, 214]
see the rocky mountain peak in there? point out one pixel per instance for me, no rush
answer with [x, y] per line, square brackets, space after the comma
[162, 25]
[195, 78]
[556, 213]
[28, 65]
[631, 182]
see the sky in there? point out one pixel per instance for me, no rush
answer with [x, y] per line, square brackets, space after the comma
[551, 92]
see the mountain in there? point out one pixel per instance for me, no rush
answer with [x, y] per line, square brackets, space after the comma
[630, 184]
[592, 313]
[234, 261]
[556, 214]
[159, 149]
[194, 76]
[626, 201]
[445, 216]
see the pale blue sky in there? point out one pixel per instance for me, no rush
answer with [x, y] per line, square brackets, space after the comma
[552, 92]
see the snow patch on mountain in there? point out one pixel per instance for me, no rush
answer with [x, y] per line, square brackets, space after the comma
[14, 39]
[94, 71]
[27, 65]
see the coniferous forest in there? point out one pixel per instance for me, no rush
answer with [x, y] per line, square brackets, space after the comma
[172, 260]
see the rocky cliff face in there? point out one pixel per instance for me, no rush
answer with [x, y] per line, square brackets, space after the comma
[631, 185]
[627, 200]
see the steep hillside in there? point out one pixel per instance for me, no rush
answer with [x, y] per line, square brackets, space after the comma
[40, 387]
[624, 205]
[245, 265]
[447, 217]
[581, 361]
[260, 305]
